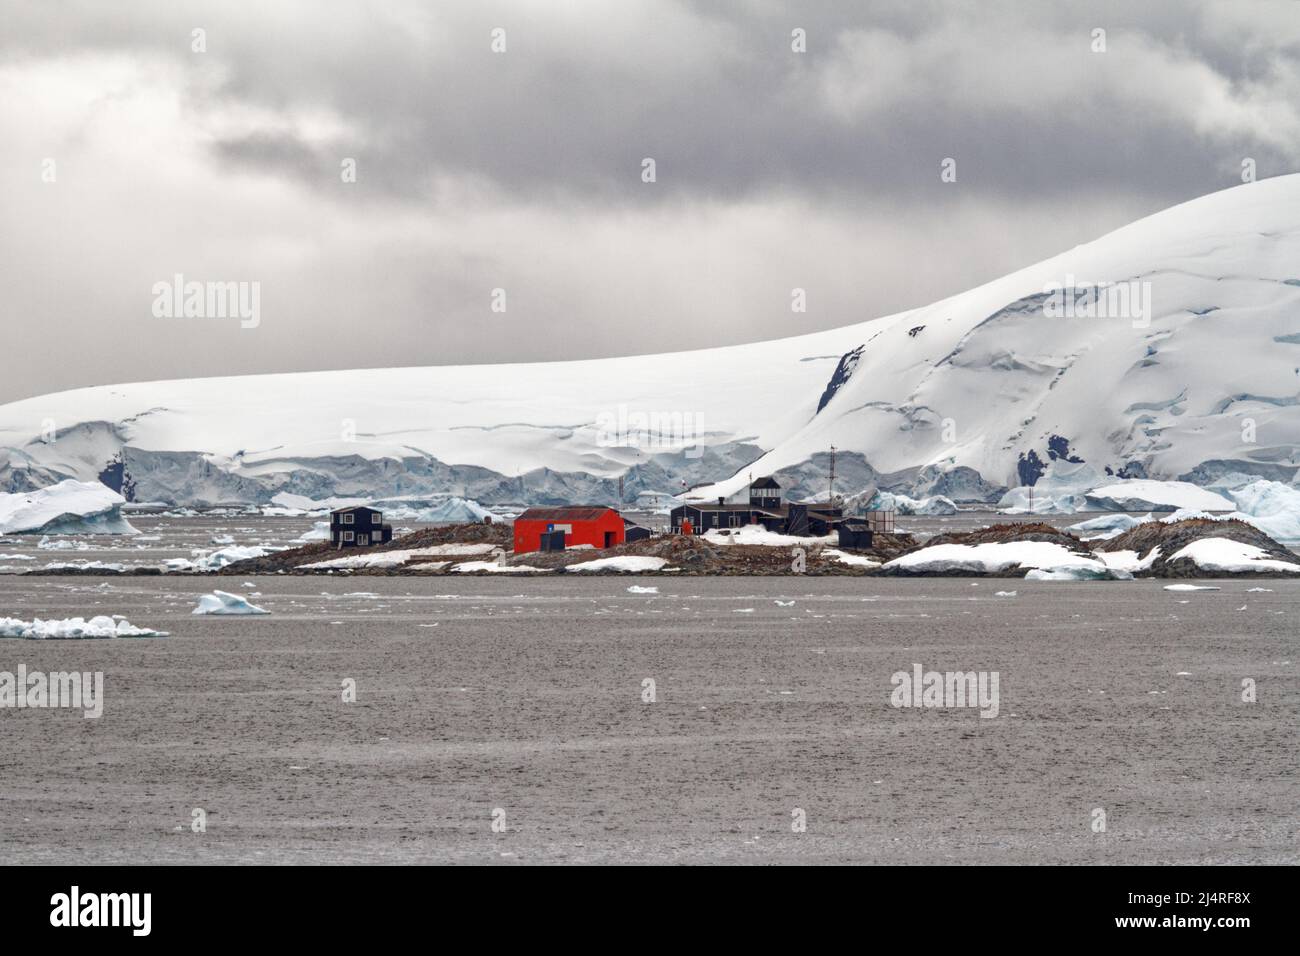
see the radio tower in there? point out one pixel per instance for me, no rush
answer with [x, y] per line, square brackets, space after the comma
[832, 483]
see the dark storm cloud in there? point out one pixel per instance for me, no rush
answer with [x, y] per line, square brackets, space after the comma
[522, 169]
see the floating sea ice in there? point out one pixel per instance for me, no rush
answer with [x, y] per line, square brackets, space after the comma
[74, 628]
[1190, 587]
[638, 589]
[219, 602]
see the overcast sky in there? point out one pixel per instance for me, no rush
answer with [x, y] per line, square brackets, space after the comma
[522, 170]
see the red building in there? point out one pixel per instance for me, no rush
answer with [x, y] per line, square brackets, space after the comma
[593, 525]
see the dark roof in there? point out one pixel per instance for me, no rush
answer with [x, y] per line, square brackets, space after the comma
[733, 509]
[855, 524]
[339, 511]
[570, 513]
[767, 482]
[706, 506]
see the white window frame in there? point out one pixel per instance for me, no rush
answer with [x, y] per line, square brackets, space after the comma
[348, 536]
[349, 518]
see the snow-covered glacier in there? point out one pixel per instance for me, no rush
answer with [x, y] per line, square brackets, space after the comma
[1166, 350]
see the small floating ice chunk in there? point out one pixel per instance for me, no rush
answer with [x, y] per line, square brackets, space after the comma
[219, 602]
[74, 628]
[638, 589]
[1190, 587]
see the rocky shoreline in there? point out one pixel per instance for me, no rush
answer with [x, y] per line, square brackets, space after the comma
[1156, 541]
[1153, 549]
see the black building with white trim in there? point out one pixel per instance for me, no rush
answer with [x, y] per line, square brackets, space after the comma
[359, 527]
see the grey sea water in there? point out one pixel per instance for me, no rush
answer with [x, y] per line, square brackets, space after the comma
[521, 702]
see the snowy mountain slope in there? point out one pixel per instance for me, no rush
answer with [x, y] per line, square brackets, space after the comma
[1221, 347]
[984, 380]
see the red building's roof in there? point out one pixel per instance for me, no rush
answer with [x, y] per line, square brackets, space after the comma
[579, 513]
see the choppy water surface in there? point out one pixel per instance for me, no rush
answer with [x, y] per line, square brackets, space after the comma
[524, 699]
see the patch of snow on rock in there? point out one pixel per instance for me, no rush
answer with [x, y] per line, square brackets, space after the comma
[625, 562]
[1224, 554]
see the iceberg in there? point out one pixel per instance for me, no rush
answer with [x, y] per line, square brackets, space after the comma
[1059, 490]
[320, 531]
[219, 602]
[1142, 494]
[1270, 506]
[451, 511]
[903, 505]
[69, 507]
[74, 628]
[215, 560]
[1108, 526]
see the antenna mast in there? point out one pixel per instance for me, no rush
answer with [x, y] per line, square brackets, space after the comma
[832, 482]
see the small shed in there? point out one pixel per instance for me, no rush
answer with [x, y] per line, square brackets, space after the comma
[634, 532]
[855, 533]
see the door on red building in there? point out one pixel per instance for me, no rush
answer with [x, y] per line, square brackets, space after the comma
[609, 539]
